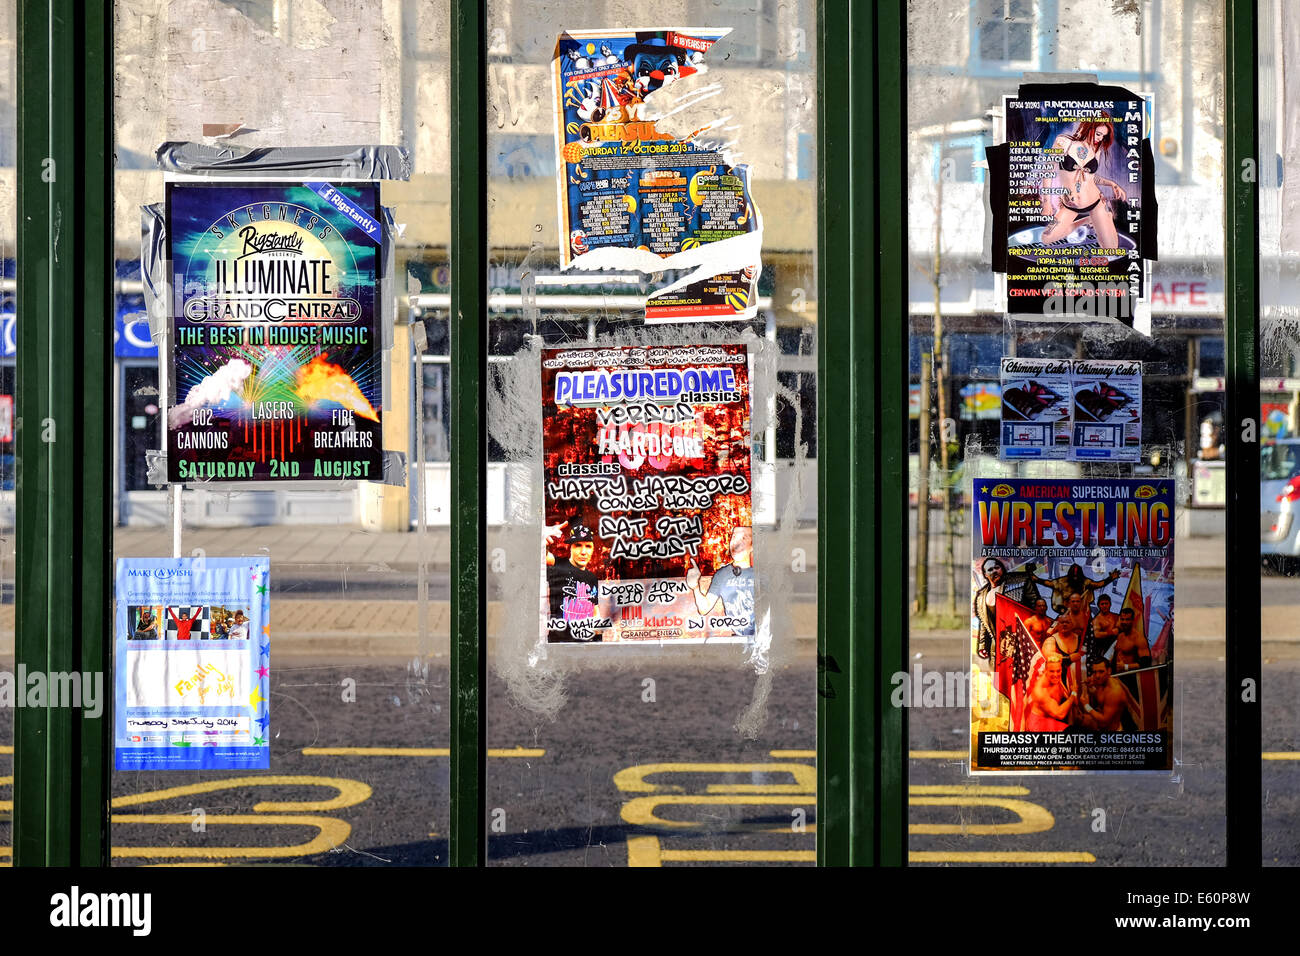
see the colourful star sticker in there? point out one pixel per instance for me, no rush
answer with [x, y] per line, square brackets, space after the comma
[261, 589]
[256, 698]
[263, 721]
[266, 650]
[266, 629]
[262, 671]
[259, 742]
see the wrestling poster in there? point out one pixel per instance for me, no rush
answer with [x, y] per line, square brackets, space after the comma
[646, 463]
[1036, 398]
[631, 196]
[192, 656]
[1072, 625]
[275, 360]
[1073, 200]
[1107, 410]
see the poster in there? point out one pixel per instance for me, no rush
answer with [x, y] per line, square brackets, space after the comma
[1036, 403]
[1073, 199]
[1107, 410]
[631, 196]
[1072, 625]
[276, 361]
[646, 464]
[192, 658]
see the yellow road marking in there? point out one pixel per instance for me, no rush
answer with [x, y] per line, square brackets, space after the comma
[1281, 754]
[1033, 818]
[640, 811]
[412, 752]
[183, 863]
[647, 851]
[937, 754]
[632, 779]
[350, 793]
[809, 856]
[975, 788]
[914, 754]
[999, 856]
[331, 832]
[6, 750]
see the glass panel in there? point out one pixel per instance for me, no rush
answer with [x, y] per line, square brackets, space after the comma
[983, 614]
[8, 273]
[357, 683]
[603, 741]
[1279, 173]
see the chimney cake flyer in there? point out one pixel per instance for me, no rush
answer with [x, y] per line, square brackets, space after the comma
[1072, 625]
[646, 460]
[276, 364]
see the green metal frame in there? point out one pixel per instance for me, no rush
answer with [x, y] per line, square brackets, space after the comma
[862, 390]
[468, 834]
[1244, 726]
[63, 483]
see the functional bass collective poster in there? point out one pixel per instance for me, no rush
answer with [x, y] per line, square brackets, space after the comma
[632, 196]
[646, 461]
[1073, 200]
[1072, 625]
[275, 362]
[192, 652]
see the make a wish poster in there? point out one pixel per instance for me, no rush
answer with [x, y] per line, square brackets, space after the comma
[192, 652]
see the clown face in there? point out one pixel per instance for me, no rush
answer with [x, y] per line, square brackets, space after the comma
[654, 70]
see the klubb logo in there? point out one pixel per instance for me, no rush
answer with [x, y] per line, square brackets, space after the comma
[1003, 490]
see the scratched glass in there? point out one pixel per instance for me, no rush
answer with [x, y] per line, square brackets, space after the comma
[1279, 187]
[962, 61]
[358, 639]
[653, 753]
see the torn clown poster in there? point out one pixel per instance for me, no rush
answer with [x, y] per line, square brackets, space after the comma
[1072, 625]
[646, 461]
[634, 196]
[192, 658]
[275, 358]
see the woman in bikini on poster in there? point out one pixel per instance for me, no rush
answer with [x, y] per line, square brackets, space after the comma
[1077, 187]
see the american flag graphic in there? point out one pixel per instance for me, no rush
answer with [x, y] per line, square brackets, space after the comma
[1017, 658]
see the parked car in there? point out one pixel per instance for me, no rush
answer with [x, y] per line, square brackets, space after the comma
[1279, 502]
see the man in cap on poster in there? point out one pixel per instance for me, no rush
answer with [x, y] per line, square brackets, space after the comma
[572, 588]
[734, 582]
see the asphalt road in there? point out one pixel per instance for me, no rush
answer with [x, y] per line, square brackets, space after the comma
[617, 779]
